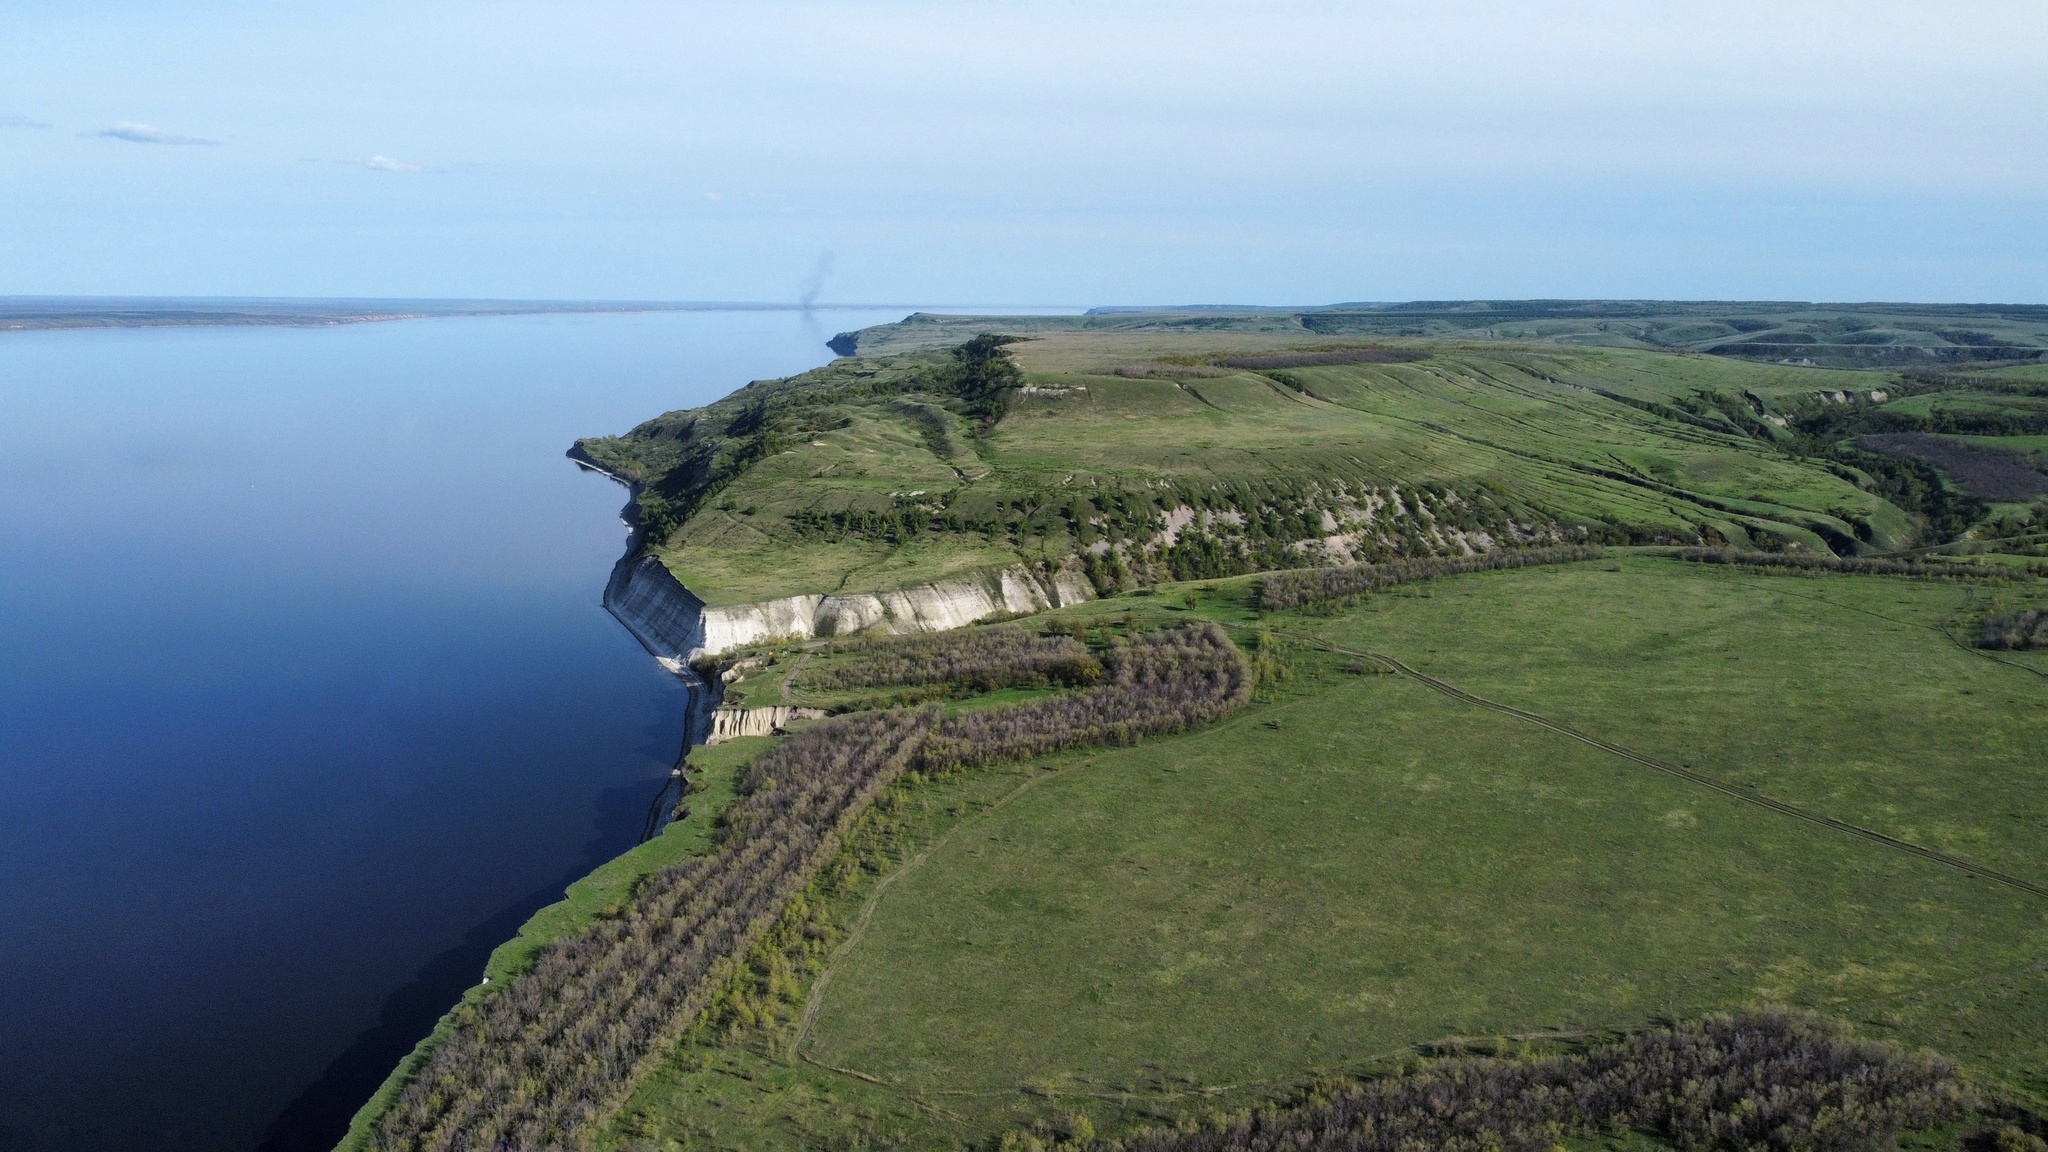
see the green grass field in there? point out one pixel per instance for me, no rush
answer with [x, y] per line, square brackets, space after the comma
[1360, 864]
[1124, 424]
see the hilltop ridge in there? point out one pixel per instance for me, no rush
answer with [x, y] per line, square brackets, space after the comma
[1141, 446]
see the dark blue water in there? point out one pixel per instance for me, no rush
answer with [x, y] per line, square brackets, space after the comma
[306, 696]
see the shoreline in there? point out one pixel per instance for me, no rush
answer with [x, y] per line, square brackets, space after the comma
[669, 622]
[89, 313]
[651, 604]
[614, 878]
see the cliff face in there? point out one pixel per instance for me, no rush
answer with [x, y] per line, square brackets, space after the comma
[733, 723]
[669, 622]
[932, 607]
[655, 607]
[675, 627]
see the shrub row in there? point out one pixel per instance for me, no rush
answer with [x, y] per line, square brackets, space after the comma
[1853, 565]
[555, 1052]
[1155, 683]
[525, 1068]
[983, 659]
[1284, 590]
[1774, 1081]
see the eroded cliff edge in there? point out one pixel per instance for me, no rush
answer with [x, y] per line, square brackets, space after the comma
[679, 631]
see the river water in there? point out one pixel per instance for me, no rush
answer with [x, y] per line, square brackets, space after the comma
[306, 696]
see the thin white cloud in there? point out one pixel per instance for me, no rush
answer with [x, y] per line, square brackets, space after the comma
[144, 134]
[20, 122]
[391, 164]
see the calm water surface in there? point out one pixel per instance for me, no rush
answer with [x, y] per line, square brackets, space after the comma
[306, 697]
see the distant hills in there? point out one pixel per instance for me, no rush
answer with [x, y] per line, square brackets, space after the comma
[1860, 335]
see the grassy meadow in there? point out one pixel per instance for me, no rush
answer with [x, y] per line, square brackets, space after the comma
[1359, 865]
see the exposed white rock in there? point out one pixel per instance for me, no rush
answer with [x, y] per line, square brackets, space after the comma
[675, 627]
[932, 607]
[1177, 518]
[669, 622]
[733, 723]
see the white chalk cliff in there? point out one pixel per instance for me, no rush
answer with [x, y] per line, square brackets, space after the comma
[934, 607]
[676, 628]
[733, 723]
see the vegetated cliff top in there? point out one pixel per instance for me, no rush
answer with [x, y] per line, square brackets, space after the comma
[1144, 445]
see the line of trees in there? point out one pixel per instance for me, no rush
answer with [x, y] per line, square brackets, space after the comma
[528, 1067]
[1283, 590]
[977, 659]
[1855, 565]
[552, 1055]
[1157, 682]
[1766, 1080]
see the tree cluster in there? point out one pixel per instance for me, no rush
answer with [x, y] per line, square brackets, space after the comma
[2020, 630]
[1768, 1081]
[984, 376]
[1284, 590]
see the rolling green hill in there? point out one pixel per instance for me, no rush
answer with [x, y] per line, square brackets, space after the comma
[1035, 886]
[1175, 446]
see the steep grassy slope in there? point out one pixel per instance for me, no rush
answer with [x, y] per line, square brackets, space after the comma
[1361, 864]
[1174, 451]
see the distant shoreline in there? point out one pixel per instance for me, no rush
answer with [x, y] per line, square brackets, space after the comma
[41, 313]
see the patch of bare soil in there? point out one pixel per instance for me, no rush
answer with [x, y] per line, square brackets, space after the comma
[1987, 473]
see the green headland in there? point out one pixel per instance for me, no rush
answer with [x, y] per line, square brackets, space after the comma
[1700, 668]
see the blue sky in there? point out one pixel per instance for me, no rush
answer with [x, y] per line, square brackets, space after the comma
[1025, 153]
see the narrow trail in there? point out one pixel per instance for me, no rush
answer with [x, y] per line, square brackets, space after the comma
[867, 910]
[1699, 778]
[816, 999]
[789, 681]
[1969, 599]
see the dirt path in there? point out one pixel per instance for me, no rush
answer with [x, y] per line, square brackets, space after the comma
[789, 681]
[867, 911]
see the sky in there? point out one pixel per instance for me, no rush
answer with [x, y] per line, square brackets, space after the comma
[1027, 153]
